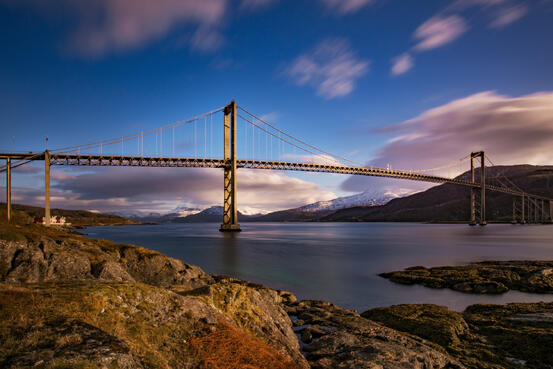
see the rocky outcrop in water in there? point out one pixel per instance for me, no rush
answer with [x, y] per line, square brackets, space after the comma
[483, 336]
[488, 277]
[333, 337]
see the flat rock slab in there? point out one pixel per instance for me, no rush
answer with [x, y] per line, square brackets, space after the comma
[489, 277]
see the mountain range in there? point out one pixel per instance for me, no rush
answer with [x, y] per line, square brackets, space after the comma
[441, 203]
[448, 202]
[308, 212]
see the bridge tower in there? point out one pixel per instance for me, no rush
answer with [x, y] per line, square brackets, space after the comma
[47, 188]
[230, 212]
[473, 190]
[9, 188]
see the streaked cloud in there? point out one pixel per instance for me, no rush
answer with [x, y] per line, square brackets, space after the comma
[439, 31]
[402, 64]
[270, 117]
[506, 16]
[332, 68]
[106, 26]
[448, 25]
[347, 6]
[163, 189]
[512, 130]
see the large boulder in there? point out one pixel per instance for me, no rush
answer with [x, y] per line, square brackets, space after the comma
[435, 323]
[333, 337]
[256, 309]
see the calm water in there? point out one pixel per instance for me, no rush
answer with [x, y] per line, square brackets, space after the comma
[339, 262]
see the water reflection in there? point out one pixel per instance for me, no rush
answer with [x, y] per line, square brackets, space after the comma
[228, 250]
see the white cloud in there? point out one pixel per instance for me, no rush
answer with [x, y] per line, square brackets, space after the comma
[508, 15]
[331, 67]
[163, 189]
[270, 117]
[448, 25]
[117, 25]
[401, 64]
[347, 6]
[439, 31]
[512, 130]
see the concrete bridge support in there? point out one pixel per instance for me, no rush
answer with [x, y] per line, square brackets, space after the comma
[8, 189]
[47, 188]
[230, 212]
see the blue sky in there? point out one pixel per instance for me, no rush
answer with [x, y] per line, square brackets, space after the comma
[345, 75]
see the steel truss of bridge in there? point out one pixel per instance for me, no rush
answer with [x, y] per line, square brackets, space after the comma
[532, 207]
[176, 162]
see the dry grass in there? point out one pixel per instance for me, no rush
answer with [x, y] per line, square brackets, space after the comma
[229, 347]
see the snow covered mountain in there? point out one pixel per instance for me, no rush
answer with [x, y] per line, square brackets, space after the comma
[187, 214]
[367, 198]
[320, 209]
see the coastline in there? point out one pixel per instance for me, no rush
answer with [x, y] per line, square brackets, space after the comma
[59, 261]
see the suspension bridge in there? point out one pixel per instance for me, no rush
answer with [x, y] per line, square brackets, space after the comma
[195, 143]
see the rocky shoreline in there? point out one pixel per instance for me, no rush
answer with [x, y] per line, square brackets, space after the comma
[486, 277]
[67, 301]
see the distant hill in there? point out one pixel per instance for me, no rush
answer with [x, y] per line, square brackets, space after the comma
[448, 202]
[320, 209]
[213, 214]
[26, 214]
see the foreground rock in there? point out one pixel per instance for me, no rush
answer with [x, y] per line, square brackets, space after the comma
[333, 337]
[256, 309]
[115, 325]
[69, 301]
[489, 277]
[29, 258]
[484, 336]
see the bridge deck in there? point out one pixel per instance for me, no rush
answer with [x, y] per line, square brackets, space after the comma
[144, 161]
[97, 160]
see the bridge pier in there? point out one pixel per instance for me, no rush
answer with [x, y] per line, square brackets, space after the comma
[230, 212]
[530, 210]
[47, 188]
[522, 212]
[8, 189]
[482, 218]
[472, 194]
[514, 221]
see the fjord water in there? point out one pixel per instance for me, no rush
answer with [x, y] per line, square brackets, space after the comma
[340, 262]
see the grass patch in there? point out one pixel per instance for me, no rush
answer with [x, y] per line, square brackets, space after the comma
[230, 347]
